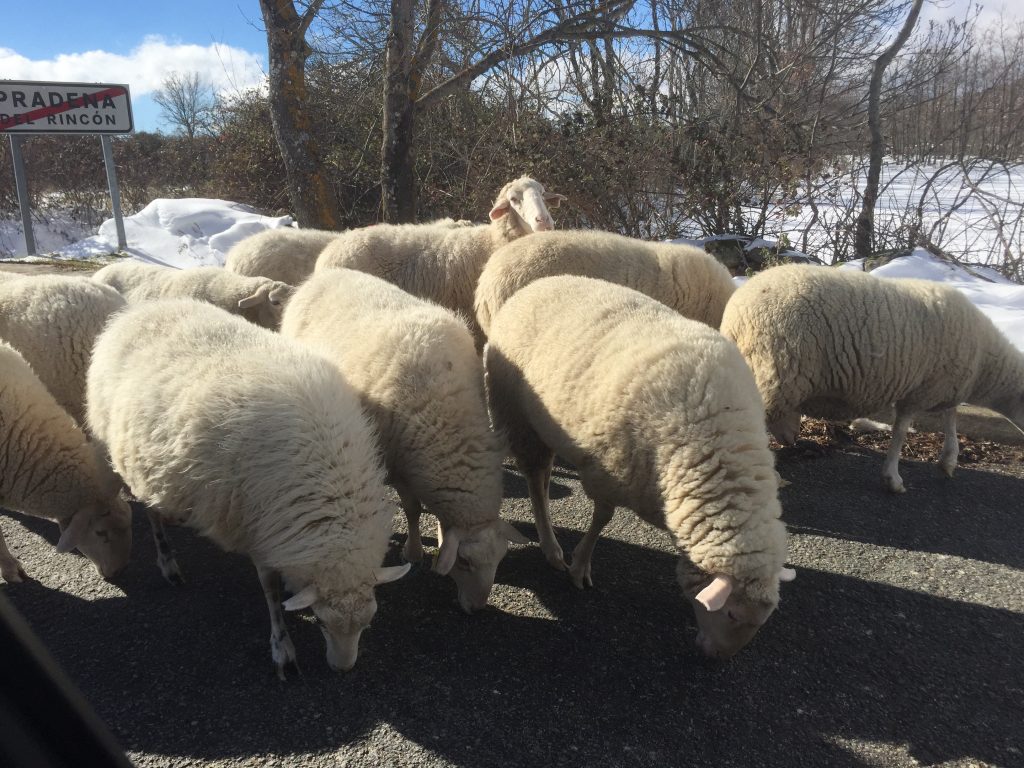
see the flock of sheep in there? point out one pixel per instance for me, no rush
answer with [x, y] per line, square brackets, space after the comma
[268, 404]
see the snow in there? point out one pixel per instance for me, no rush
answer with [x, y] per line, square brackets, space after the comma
[188, 232]
[961, 202]
[194, 232]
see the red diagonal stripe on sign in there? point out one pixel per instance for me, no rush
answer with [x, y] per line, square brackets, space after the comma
[56, 109]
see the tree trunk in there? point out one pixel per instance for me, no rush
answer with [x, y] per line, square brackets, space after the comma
[313, 199]
[398, 184]
[864, 234]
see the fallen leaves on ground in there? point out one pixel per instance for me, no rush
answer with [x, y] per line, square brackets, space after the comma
[819, 438]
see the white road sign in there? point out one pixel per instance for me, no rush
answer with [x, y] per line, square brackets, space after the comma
[34, 107]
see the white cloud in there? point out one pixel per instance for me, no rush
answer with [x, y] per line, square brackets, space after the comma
[227, 68]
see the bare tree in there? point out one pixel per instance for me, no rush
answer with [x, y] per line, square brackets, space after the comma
[864, 235]
[313, 200]
[187, 101]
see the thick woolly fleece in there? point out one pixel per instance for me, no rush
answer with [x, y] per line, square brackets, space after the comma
[841, 343]
[53, 321]
[682, 277]
[420, 379]
[137, 282]
[49, 468]
[255, 442]
[286, 254]
[439, 261]
[658, 413]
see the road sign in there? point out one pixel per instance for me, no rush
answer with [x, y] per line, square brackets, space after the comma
[38, 107]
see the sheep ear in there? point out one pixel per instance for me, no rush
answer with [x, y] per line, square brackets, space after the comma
[251, 301]
[304, 598]
[787, 574]
[553, 199]
[510, 533]
[279, 295]
[74, 532]
[449, 551]
[714, 595]
[391, 573]
[500, 209]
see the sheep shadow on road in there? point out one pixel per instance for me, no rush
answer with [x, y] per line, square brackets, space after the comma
[549, 675]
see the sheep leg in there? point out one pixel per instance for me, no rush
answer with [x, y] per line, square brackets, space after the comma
[164, 552]
[950, 445]
[579, 572]
[413, 549]
[785, 427]
[10, 567]
[538, 480]
[282, 650]
[890, 470]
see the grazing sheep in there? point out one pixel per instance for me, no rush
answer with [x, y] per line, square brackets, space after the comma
[414, 366]
[441, 261]
[53, 321]
[49, 469]
[840, 343]
[286, 254]
[258, 299]
[259, 445]
[685, 278]
[659, 414]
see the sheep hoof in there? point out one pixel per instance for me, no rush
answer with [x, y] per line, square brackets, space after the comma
[283, 653]
[12, 571]
[555, 557]
[894, 484]
[172, 573]
[581, 576]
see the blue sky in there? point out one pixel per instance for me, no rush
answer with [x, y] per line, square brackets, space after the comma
[138, 43]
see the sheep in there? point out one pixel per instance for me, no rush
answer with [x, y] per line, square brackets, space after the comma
[288, 254]
[285, 254]
[442, 261]
[840, 343]
[417, 372]
[257, 299]
[53, 321]
[659, 414]
[51, 470]
[258, 444]
[685, 278]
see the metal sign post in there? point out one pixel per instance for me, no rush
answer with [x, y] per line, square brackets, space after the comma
[75, 108]
[115, 193]
[21, 184]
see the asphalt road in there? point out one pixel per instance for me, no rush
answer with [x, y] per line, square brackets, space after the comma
[899, 644]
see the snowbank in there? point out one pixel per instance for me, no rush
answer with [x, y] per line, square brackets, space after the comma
[190, 232]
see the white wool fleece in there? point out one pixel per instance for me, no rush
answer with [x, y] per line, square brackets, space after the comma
[682, 277]
[658, 413]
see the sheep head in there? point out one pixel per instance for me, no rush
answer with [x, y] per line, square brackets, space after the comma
[266, 306]
[471, 556]
[526, 201]
[729, 612]
[102, 534]
[343, 614]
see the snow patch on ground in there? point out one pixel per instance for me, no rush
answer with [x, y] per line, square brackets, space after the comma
[189, 232]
